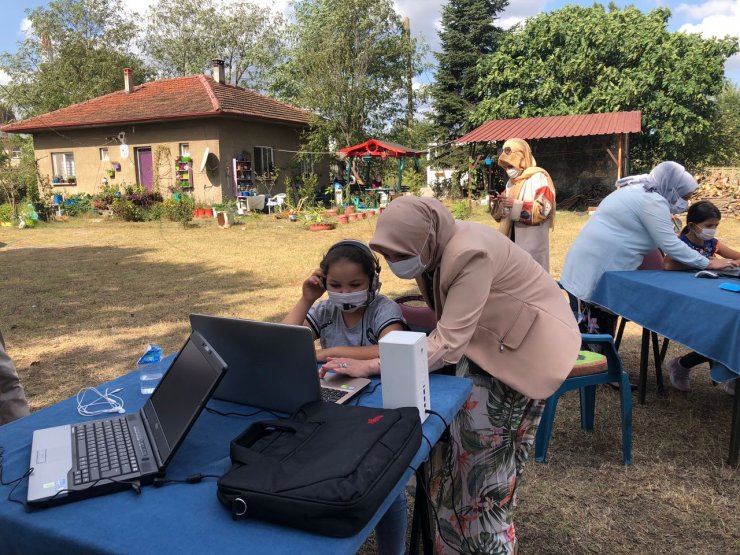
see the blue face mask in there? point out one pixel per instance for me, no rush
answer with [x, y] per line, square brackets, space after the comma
[680, 206]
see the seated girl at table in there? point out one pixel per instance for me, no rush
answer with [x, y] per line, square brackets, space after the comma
[349, 324]
[702, 220]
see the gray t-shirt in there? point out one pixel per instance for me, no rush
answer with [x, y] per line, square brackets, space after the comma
[328, 325]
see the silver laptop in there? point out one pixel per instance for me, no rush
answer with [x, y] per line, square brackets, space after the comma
[97, 456]
[272, 366]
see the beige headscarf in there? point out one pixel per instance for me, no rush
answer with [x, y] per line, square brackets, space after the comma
[411, 226]
[521, 158]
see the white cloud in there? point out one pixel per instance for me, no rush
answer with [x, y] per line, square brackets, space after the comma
[717, 18]
[705, 9]
[4, 78]
[25, 28]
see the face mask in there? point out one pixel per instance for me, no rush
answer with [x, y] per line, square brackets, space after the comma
[513, 172]
[348, 302]
[704, 234]
[407, 269]
[680, 206]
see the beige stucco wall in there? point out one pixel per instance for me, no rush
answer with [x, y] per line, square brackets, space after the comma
[224, 137]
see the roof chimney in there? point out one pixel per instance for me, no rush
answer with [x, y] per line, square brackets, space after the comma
[128, 79]
[219, 74]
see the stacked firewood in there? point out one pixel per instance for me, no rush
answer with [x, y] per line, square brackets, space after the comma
[723, 189]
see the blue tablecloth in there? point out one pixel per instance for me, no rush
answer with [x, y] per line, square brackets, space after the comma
[689, 310]
[177, 518]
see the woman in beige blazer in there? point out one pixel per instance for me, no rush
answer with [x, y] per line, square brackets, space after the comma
[505, 324]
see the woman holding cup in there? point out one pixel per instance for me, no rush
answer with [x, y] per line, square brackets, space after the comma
[526, 209]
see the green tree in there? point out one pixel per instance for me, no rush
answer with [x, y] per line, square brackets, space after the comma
[182, 37]
[75, 50]
[588, 60]
[468, 33]
[346, 63]
[726, 129]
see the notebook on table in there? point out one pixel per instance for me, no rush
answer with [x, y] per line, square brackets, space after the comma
[272, 366]
[82, 460]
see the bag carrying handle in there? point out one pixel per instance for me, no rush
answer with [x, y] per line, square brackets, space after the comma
[240, 451]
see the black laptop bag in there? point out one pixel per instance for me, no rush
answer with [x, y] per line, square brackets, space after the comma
[326, 469]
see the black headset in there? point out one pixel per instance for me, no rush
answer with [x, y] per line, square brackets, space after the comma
[375, 277]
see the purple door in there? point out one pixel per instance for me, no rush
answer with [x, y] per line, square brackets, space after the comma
[144, 167]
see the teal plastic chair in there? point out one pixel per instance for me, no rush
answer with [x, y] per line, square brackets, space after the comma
[590, 370]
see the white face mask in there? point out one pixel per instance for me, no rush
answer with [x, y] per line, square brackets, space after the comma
[348, 302]
[513, 172]
[680, 206]
[407, 269]
[704, 234]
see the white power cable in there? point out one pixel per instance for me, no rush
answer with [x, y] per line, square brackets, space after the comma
[108, 399]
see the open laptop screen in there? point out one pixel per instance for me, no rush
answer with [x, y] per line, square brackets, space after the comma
[180, 395]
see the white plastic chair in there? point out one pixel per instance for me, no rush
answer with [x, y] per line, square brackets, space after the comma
[278, 200]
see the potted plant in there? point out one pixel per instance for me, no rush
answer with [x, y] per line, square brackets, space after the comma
[352, 217]
[72, 180]
[343, 218]
[350, 209]
[316, 221]
[57, 179]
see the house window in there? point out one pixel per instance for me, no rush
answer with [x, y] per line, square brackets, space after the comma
[184, 149]
[263, 160]
[104, 154]
[63, 164]
[15, 153]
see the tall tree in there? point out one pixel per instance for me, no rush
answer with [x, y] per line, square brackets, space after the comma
[181, 37]
[726, 129]
[468, 33]
[75, 50]
[588, 60]
[346, 63]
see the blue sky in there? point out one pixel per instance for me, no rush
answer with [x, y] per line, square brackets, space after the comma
[709, 17]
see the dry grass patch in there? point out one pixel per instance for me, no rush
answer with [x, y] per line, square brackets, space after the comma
[81, 299]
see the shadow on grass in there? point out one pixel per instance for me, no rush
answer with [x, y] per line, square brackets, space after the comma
[81, 315]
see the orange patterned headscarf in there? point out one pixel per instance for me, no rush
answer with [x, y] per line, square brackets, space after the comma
[517, 154]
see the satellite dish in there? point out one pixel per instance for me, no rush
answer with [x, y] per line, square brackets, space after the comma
[203, 161]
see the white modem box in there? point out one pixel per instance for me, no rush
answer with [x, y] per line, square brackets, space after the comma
[404, 371]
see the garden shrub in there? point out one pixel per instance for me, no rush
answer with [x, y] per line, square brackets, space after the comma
[6, 212]
[179, 210]
[77, 204]
[126, 210]
[460, 210]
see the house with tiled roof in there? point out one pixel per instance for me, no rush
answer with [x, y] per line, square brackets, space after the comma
[196, 134]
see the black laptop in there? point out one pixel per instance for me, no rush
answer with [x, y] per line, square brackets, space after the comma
[272, 366]
[97, 456]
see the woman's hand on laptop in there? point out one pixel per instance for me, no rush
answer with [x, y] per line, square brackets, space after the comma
[351, 367]
[721, 263]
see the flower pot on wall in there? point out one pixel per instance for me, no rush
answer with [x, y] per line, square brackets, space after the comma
[352, 217]
[349, 210]
[343, 219]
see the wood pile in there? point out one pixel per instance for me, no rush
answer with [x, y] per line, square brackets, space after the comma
[722, 188]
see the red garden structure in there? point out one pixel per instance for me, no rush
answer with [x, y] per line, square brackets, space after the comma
[374, 148]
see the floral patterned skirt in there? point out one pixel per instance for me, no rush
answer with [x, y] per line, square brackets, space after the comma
[474, 476]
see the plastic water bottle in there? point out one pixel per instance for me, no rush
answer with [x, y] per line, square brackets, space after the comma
[150, 372]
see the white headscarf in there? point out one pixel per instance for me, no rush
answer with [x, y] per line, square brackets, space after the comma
[669, 179]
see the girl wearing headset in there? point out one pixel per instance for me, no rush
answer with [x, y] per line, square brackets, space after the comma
[353, 318]
[349, 324]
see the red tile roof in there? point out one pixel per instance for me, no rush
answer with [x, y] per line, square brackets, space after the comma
[555, 126]
[166, 99]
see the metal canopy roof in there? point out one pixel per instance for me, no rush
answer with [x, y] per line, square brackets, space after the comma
[555, 127]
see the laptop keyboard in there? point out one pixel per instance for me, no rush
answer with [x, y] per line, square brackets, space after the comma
[104, 450]
[332, 395]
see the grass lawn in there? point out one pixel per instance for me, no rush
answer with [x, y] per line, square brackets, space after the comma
[81, 299]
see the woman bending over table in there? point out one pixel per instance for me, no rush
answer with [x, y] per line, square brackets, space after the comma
[505, 324]
[628, 224]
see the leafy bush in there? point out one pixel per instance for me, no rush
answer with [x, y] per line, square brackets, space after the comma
[179, 210]
[460, 210]
[127, 210]
[141, 197]
[77, 204]
[155, 211]
[6, 212]
[104, 199]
